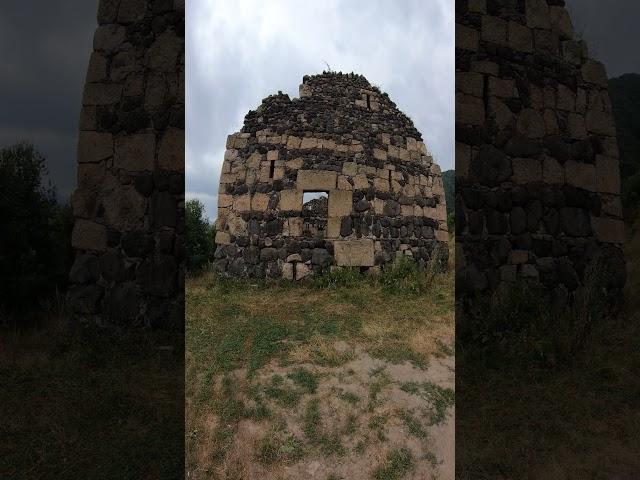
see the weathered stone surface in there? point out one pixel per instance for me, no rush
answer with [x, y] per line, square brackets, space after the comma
[316, 180]
[340, 203]
[381, 182]
[130, 198]
[537, 169]
[349, 253]
[89, 235]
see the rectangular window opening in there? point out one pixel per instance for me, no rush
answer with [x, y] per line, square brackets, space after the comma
[315, 209]
[369, 101]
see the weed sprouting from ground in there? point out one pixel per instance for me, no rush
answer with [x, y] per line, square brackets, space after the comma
[399, 462]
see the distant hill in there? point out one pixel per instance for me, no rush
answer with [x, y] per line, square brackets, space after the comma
[625, 100]
[449, 182]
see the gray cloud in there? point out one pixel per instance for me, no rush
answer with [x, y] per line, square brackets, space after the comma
[240, 52]
[610, 29]
[45, 48]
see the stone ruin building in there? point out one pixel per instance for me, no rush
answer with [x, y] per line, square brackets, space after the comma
[537, 175]
[378, 193]
[129, 204]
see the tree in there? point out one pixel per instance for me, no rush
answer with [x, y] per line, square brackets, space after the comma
[199, 236]
[35, 244]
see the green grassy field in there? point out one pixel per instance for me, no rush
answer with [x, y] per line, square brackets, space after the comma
[577, 421]
[92, 405]
[328, 380]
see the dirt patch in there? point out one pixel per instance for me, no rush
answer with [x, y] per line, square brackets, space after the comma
[357, 413]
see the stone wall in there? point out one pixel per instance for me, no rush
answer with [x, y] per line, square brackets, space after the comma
[129, 204]
[537, 177]
[343, 137]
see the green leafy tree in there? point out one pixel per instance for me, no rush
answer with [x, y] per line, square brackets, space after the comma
[199, 236]
[35, 244]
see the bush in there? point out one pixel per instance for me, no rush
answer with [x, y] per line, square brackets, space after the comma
[35, 244]
[200, 236]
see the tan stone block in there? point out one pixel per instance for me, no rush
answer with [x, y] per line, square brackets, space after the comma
[530, 123]
[349, 168]
[552, 171]
[340, 203]
[171, 151]
[354, 253]
[309, 143]
[225, 200]
[494, 30]
[576, 125]
[395, 186]
[581, 175]
[135, 153]
[102, 94]
[361, 103]
[295, 164]
[441, 212]
[83, 203]
[293, 227]
[607, 174]
[537, 14]
[236, 226]
[293, 143]
[379, 154]
[94, 147]
[483, 66]
[386, 138]
[97, 70]
[260, 202]
[600, 122]
[343, 183]
[228, 178]
[333, 227]
[502, 88]
[360, 182]
[91, 175]
[608, 230]
[417, 211]
[403, 154]
[222, 238]
[566, 99]
[278, 173]
[231, 141]
[466, 38]
[470, 83]
[302, 271]
[441, 236]
[272, 155]
[231, 154]
[518, 257]
[88, 235]
[316, 180]
[242, 203]
[503, 115]
[412, 144]
[378, 206]
[469, 111]
[526, 170]
[392, 151]
[594, 72]
[355, 148]
[290, 200]
[551, 122]
[342, 148]
[519, 37]
[612, 206]
[381, 184]
[463, 160]
[288, 271]
[406, 210]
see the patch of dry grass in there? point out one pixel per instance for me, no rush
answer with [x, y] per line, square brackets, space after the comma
[253, 333]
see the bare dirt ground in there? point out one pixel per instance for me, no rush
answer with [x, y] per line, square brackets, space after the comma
[299, 382]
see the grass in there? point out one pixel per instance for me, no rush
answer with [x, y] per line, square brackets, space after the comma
[90, 405]
[579, 419]
[399, 463]
[241, 330]
[439, 399]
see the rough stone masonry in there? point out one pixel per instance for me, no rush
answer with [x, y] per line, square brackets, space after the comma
[129, 204]
[537, 177]
[342, 137]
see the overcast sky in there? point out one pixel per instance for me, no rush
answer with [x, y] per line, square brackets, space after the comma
[44, 52]
[610, 28]
[240, 52]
